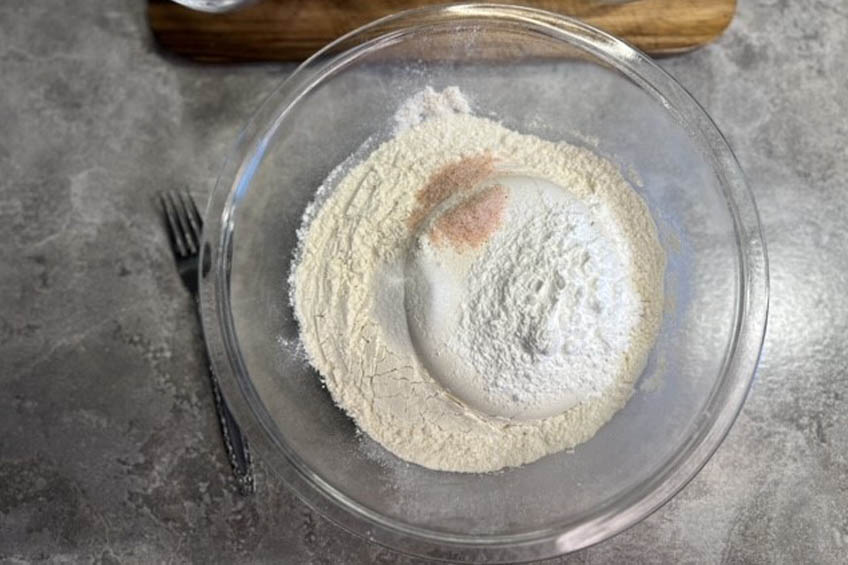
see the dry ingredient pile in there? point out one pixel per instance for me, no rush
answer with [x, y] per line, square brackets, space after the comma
[473, 297]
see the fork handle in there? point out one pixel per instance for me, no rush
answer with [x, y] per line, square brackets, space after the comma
[238, 450]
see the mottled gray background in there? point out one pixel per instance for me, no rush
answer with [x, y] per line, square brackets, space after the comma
[109, 450]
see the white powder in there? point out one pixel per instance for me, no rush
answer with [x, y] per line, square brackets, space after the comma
[429, 104]
[535, 321]
[566, 292]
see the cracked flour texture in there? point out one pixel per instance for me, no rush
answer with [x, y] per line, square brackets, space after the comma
[349, 282]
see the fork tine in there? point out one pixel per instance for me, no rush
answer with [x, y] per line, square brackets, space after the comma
[173, 228]
[182, 217]
[193, 216]
[197, 213]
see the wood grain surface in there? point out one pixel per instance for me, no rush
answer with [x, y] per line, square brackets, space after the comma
[290, 30]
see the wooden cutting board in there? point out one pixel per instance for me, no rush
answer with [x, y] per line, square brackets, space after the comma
[291, 30]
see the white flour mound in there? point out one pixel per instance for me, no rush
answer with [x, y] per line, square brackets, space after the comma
[429, 104]
[550, 310]
[349, 288]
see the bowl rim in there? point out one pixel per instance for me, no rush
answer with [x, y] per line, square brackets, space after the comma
[640, 500]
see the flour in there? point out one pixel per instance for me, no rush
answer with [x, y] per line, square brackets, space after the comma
[563, 287]
[550, 310]
[429, 104]
[537, 319]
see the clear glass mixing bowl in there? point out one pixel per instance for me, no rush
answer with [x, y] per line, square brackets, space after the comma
[538, 73]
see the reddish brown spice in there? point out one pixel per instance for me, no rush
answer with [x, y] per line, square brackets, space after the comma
[474, 220]
[463, 175]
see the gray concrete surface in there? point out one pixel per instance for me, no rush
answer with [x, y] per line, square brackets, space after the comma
[109, 450]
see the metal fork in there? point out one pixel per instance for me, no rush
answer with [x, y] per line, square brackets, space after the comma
[184, 226]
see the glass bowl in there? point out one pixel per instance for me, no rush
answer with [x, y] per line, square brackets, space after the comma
[538, 73]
